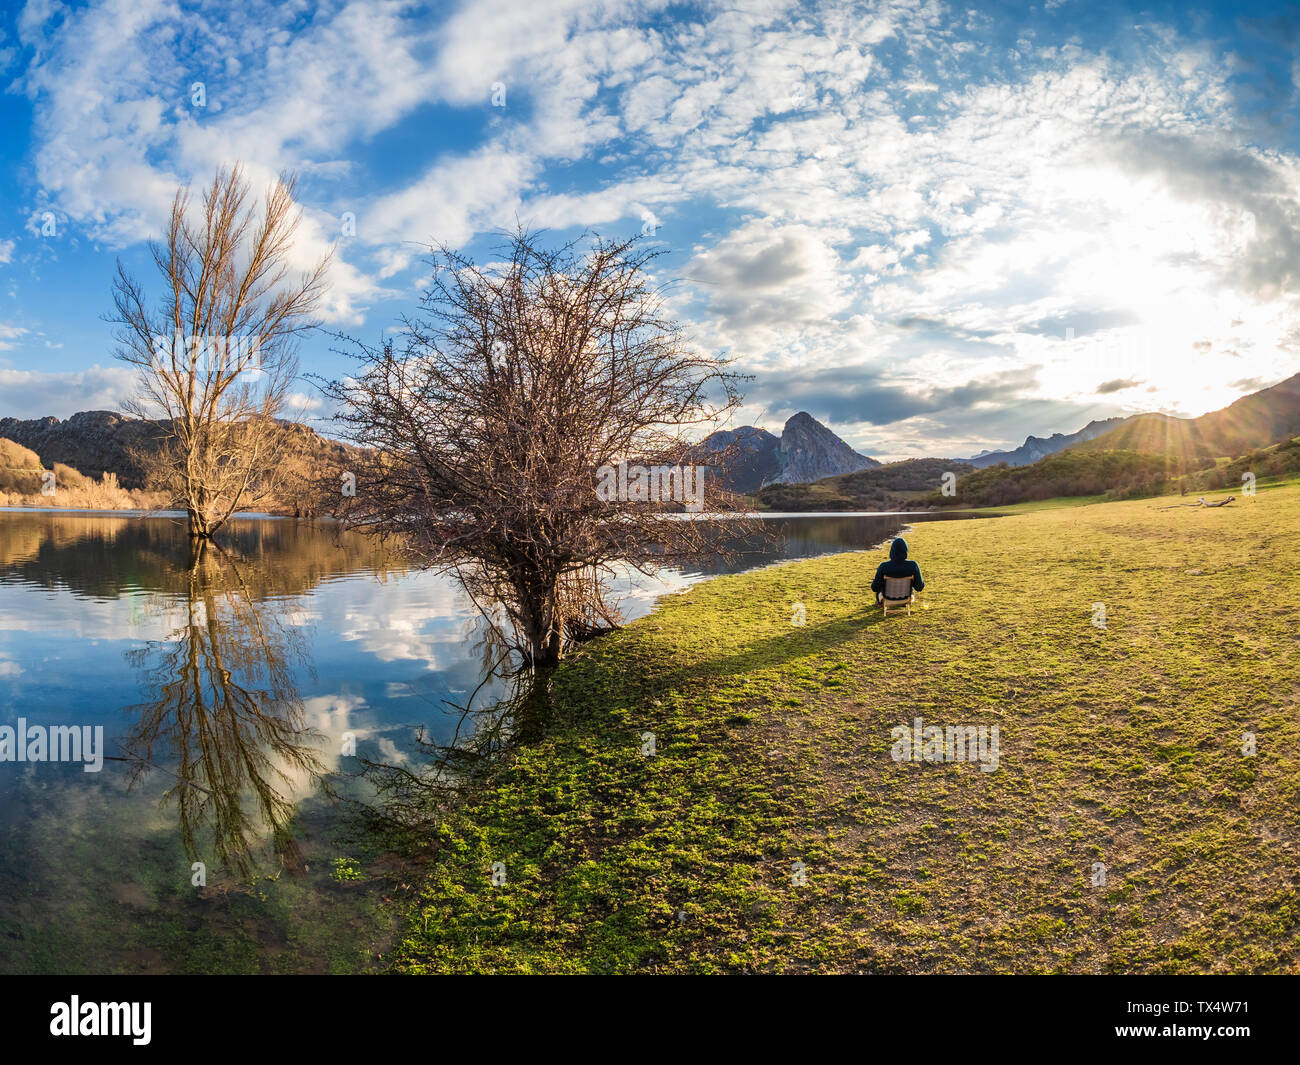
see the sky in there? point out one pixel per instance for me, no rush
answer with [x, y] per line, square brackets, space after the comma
[937, 228]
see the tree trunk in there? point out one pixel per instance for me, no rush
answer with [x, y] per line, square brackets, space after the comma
[198, 550]
[543, 631]
[545, 644]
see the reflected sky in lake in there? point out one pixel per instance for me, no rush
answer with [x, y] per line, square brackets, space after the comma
[229, 685]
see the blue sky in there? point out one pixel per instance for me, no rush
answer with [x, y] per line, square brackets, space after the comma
[936, 227]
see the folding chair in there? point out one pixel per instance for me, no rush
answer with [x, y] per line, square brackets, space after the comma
[898, 592]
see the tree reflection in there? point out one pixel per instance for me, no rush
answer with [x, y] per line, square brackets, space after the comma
[224, 713]
[511, 704]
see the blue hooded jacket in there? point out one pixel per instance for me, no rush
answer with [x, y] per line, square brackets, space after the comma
[899, 565]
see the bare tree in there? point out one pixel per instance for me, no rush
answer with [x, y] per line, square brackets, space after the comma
[217, 353]
[510, 435]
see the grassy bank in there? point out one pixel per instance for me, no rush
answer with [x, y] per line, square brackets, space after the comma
[1121, 746]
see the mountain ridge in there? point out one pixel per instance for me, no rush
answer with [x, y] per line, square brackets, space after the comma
[1038, 447]
[1257, 420]
[101, 441]
[806, 450]
[96, 442]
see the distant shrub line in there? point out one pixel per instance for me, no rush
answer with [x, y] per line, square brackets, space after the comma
[1114, 474]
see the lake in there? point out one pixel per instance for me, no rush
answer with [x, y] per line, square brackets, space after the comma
[234, 692]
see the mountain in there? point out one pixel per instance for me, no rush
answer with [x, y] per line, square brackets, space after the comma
[1150, 453]
[1157, 434]
[1037, 447]
[751, 456]
[1254, 421]
[806, 451]
[810, 451]
[96, 442]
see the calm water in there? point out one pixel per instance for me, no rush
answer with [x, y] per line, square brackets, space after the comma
[231, 688]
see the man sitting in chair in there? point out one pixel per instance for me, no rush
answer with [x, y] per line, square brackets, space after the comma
[899, 565]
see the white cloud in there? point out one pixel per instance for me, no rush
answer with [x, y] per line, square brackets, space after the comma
[10, 333]
[33, 393]
[767, 280]
[451, 202]
[110, 151]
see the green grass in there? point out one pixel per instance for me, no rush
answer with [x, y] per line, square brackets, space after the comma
[1054, 503]
[1121, 746]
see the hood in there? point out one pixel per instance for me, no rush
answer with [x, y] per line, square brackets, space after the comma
[898, 550]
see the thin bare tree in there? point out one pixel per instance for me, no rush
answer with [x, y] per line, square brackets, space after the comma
[217, 352]
[509, 436]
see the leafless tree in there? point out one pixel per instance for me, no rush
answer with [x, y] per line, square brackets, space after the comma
[217, 352]
[507, 408]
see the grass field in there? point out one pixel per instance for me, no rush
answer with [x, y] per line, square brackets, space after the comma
[1121, 746]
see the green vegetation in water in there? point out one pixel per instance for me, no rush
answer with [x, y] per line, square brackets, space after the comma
[771, 831]
[345, 869]
[86, 908]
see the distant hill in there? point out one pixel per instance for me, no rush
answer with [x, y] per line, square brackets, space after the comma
[100, 442]
[1149, 453]
[1281, 460]
[20, 469]
[1073, 472]
[26, 482]
[1158, 434]
[94, 441]
[1037, 447]
[749, 458]
[890, 486]
[1255, 421]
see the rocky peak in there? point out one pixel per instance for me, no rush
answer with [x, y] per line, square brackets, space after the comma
[810, 451]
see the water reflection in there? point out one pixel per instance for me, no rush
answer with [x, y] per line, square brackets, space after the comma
[103, 556]
[223, 714]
